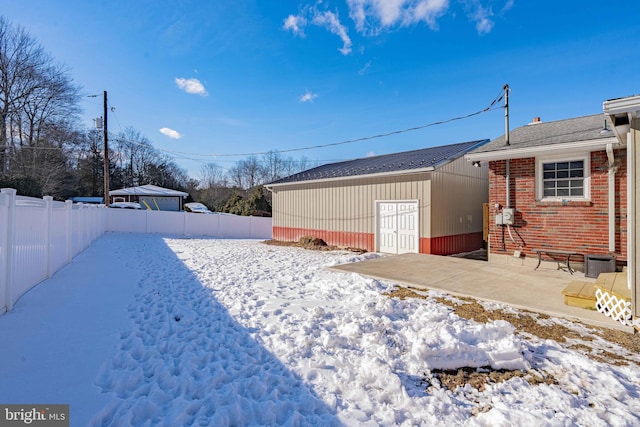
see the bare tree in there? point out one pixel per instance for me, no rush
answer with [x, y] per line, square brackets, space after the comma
[134, 154]
[273, 166]
[213, 185]
[246, 174]
[38, 110]
[236, 176]
[276, 166]
[89, 167]
[139, 163]
[25, 75]
[251, 170]
[212, 176]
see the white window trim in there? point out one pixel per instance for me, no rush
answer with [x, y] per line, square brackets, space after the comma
[586, 158]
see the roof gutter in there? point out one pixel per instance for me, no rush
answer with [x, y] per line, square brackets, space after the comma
[344, 178]
[524, 152]
[621, 112]
[623, 105]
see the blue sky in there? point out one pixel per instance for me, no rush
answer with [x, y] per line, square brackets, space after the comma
[248, 76]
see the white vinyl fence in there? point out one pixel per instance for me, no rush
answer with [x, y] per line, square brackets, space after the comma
[218, 225]
[40, 236]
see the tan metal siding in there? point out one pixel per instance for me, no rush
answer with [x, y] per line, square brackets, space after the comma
[346, 205]
[459, 190]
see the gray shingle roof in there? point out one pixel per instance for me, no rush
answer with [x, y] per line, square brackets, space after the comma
[433, 157]
[148, 190]
[584, 128]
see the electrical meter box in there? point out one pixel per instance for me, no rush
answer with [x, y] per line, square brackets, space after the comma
[508, 216]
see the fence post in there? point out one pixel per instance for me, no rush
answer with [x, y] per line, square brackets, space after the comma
[86, 224]
[48, 206]
[81, 226]
[8, 244]
[4, 200]
[68, 205]
[184, 223]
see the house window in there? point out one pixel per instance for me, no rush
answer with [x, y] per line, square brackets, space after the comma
[562, 178]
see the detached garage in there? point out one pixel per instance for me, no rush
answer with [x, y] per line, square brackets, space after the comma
[150, 197]
[427, 201]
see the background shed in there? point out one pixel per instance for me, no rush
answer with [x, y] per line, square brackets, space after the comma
[150, 197]
[428, 201]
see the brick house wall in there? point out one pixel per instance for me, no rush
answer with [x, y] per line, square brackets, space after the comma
[582, 226]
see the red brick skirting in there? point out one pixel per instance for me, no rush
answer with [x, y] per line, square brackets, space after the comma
[445, 245]
[335, 238]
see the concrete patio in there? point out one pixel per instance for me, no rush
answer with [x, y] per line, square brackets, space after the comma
[522, 287]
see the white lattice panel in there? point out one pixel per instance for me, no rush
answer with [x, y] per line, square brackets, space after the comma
[616, 308]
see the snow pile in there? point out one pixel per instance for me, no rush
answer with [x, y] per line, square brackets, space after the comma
[227, 332]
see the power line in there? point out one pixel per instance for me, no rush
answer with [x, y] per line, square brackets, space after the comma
[350, 141]
[183, 155]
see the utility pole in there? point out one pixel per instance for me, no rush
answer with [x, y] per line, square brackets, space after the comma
[506, 113]
[105, 134]
[507, 161]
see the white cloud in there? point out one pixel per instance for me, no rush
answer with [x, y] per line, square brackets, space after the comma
[174, 134]
[331, 22]
[308, 97]
[388, 12]
[428, 11]
[193, 86]
[365, 68]
[326, 19]
[384, 13]
[371, 154]
[484, 26]
[296, 24]
[481, 15]
[373, 16]
[507, 6]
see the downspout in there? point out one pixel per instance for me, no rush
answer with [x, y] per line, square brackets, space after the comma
[631, 223]
[507, 178]
[612, 168]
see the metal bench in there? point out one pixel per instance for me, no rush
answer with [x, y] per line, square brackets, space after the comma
[557, 255]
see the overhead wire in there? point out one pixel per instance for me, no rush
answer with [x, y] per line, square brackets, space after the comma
[183, 154]
[366, 138]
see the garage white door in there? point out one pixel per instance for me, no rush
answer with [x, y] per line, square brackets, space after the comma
[397, 226]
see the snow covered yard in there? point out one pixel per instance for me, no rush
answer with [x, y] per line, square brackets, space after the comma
[145, 330]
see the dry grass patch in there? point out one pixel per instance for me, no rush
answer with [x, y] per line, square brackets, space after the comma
[312, 243]
[479, 378]
[524, 322]
[528, 322]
